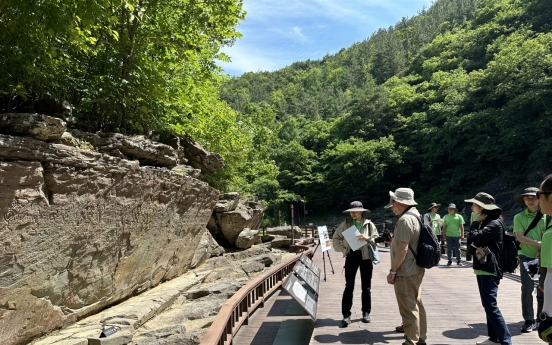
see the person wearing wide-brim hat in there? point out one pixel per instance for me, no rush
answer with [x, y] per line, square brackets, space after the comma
[355, 260]
[453, 232]
[405, 275]
[529, 225]
[433, 219]
[485, 242]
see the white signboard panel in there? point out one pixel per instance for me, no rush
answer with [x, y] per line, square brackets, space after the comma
[311, 265]
[324, 238]
[305, 298]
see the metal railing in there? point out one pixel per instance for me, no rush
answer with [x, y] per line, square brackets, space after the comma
[235, 312]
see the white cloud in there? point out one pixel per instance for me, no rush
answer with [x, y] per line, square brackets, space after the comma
[299, 34]
[295, 34]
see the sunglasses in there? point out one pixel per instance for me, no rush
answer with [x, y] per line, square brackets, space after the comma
[539, 193]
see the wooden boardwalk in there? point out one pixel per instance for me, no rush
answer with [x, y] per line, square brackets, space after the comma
[450, 296]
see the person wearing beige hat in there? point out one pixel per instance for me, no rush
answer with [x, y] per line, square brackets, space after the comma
[485, 243]
[405, 275]
[355, 260]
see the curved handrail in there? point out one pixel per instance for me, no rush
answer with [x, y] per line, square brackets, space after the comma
[235, 312]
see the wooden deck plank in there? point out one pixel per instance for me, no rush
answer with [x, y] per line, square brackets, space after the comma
[451, 300]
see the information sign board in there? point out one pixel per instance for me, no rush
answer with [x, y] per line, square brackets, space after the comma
[324, 238]
[308, 262]
[312, 280]
[305, 298]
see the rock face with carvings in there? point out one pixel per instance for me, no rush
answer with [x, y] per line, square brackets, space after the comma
[232, 214]
[175, 312]
[83, 229]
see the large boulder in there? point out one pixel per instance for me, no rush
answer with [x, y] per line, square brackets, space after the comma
[36, 126]
[247, 214]
[82, 230]
[279, 241]
[195, 155]
[227, 202]
[284, 230]
[247, 238]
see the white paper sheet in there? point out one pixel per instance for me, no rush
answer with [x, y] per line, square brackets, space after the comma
[350, 236]
[300, 291]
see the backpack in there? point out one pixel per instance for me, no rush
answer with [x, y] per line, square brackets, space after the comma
[508, 258]
[429, 250]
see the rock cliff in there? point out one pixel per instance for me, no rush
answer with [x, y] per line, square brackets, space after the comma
[84, 226]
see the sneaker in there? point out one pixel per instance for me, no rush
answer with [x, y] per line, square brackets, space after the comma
[399, 329]
[346, 321]
[458, 262]
[449, 263]
[366, 317]
[486, 342]
[528, 326]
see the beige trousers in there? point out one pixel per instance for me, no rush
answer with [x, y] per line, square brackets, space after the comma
[408, 291]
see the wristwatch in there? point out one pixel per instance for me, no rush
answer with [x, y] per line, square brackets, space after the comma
[391, 271]
[545, 317]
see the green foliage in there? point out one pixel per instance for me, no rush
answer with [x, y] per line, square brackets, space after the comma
[137, 67]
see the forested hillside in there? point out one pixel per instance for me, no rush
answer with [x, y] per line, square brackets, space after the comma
[441, 102]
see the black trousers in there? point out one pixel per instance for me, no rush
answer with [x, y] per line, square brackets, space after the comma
[353, 262]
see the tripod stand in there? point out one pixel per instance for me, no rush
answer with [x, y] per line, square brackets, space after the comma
[324, 259]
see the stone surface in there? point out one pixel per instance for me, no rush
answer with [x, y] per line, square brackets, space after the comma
[206, 248]
[137, 147]
[122, 336]
[243, 254]
[247, 238]
[227, 202]
[36, 126]
[187, 170]
[82, 230]
[279, 241]
[132, 313]
[178, 311]
[284, 230]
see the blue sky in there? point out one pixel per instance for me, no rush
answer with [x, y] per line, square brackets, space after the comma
[277, 33]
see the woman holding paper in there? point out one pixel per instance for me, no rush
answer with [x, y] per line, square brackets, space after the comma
[357, 255]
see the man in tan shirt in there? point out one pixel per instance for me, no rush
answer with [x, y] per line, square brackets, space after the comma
[405, 274]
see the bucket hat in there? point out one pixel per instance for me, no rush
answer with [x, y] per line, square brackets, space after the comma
[527, 191]
[484, 200]
[433, 205]
[452, 206]
[402, 195]
[356, 206]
